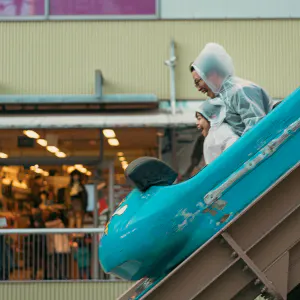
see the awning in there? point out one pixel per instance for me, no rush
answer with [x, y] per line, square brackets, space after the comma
[153, 119]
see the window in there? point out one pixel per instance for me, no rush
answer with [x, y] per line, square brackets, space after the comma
[78, 9]
[21, 8]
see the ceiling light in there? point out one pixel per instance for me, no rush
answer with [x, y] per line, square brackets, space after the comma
[70, 169]
[120, 154]
[109, 133]
[121, 158]
[125, 166]
[52, 149]
[42, 142]
[31, 134]
[124, 163]
[60, 154]
[3, 155]
[113, 142]
[83, 170]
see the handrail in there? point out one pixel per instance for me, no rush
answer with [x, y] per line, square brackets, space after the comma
[51, 230]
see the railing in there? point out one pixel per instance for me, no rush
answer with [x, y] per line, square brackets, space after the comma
[50, 254]
[54, 264]
[55, 258]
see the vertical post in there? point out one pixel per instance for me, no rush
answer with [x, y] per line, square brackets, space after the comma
[95, 240]
[160, 136]
[47, 9]
[171, 63]
[111, 196]
[174, 149]
[111, 183]
[95, 235]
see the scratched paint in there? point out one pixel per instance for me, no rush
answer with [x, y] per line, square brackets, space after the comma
[120, 211]
[188, 217]
[262, 155]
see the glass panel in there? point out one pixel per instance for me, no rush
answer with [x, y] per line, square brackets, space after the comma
[13, 8]
[103, 7]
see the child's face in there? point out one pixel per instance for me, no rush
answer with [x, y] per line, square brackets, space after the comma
[202, 124]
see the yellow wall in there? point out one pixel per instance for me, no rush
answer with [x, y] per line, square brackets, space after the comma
[63, 290]
[60, 57]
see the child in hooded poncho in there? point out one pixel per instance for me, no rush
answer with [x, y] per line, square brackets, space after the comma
[218, 134]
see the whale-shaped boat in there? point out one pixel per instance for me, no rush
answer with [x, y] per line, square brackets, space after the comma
[160, 223]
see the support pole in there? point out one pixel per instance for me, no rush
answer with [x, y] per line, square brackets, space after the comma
[111, 196]
[95, 239]
[174, 149]
[111, 183]
[95, 235]
[171, 63]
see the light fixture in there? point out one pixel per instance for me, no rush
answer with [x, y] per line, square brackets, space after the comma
[120, 154]
[83, 170]
[42, 142]
[3, 155]
[124, 163]
[52, 149]
[109, 133]
[121, 158]
[31, 134]
[60, 154]
[124, 166]
[88, 173]
[70, 169]
[113, 142]
[78, 166]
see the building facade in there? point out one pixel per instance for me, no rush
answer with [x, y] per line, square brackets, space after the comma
[60, 57]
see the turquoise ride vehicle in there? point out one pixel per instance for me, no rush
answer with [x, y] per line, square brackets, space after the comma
[159, 223]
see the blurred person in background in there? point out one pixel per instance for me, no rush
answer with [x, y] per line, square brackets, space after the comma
[76, 197]
[5, 254]
[36, 188]
[58, 249]
[83, 257]
[246, 103]
[196, 163]
[39, 247]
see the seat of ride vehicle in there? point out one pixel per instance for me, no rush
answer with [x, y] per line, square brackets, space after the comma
[159, 223]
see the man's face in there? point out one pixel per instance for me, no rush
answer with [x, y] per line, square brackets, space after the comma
[201, 85]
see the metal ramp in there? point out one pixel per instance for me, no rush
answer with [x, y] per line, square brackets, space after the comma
[257, 253]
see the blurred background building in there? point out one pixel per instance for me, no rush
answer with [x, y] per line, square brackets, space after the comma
[92, 85]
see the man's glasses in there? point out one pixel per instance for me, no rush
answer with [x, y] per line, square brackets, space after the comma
[197, 82]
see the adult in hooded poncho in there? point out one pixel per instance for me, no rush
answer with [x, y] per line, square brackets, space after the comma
[246, 103]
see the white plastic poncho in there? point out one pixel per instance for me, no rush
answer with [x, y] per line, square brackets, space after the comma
[220, 135]
[246, 103]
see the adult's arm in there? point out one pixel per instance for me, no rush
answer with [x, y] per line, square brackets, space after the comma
[252, 104]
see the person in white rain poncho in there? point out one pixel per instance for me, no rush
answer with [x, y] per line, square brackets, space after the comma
[246, 103]
[218, 134]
